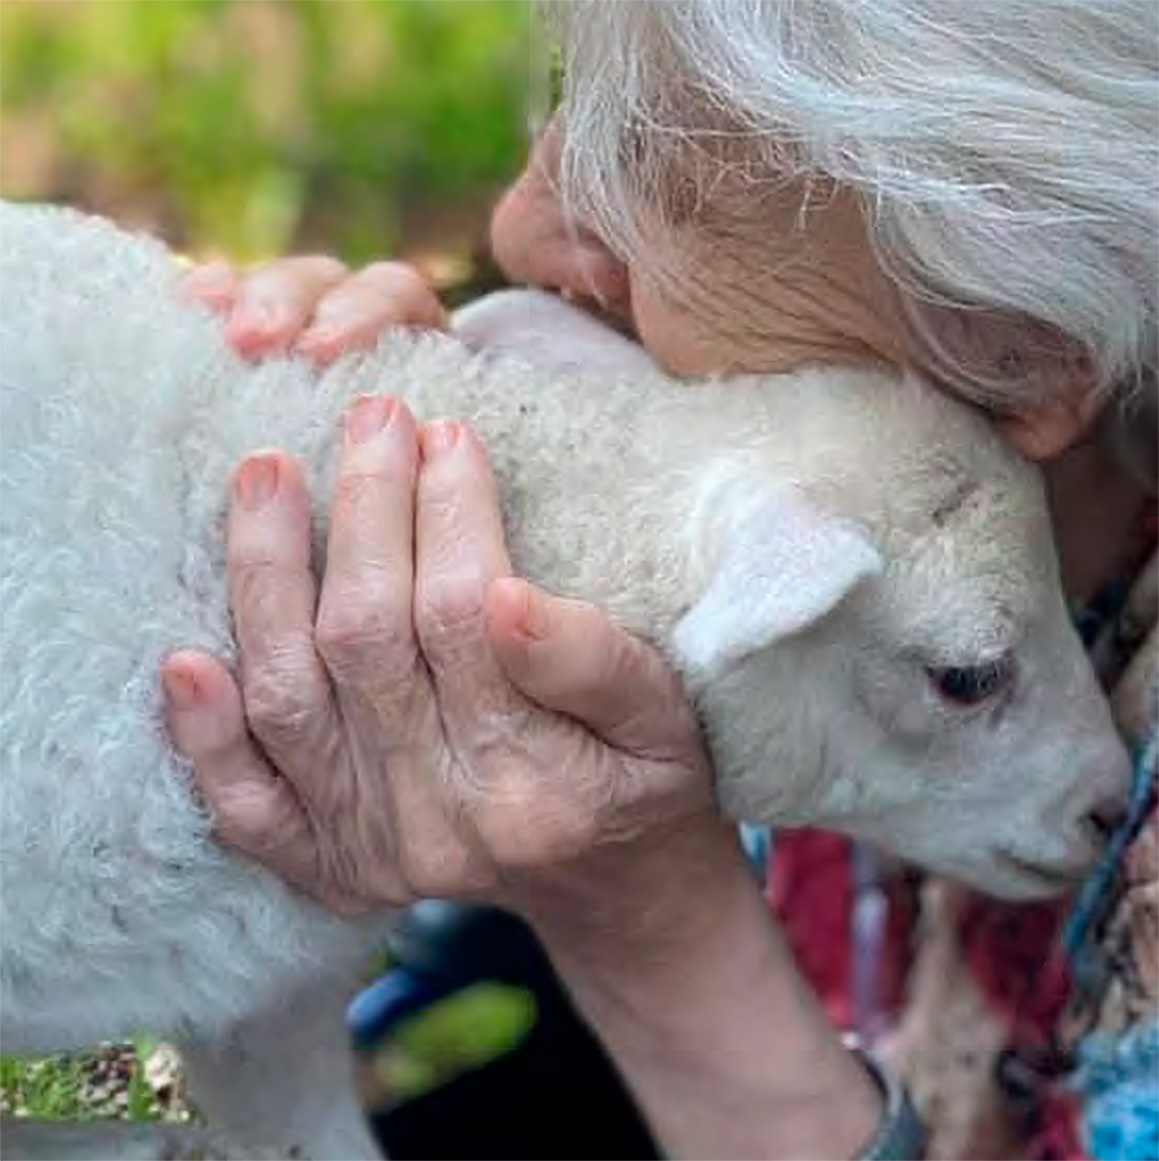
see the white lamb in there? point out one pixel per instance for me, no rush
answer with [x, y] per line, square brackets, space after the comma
[855, 577]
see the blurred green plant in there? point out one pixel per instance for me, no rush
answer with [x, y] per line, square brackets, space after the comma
[257, 127]
[456, 1035]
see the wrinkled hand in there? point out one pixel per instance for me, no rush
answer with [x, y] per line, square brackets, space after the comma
[423, 724]
[313, 306]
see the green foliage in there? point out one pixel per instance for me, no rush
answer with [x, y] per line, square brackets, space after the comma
[48, 1089]
[102, 1082]
[261, 126]
[464, 1032]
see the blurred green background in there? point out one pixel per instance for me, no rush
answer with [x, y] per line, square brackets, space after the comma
[252, 128]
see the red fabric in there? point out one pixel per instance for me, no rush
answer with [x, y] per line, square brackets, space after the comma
[1011, 950]
[811, 891]
[810, 887]
[1013, 953]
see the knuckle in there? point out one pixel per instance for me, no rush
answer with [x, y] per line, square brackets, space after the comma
[367, 628]
[449, 610]
[362, 490]
[409, 294]
[249, 575]
[258, 819]
[278, 701]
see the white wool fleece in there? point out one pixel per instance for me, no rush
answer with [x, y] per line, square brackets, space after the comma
[900, 534]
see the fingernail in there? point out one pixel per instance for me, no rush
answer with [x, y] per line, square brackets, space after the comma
[180, 688]
[257, 481]
[368, 416]
[439, 437]
[259, 317]
[535, 622]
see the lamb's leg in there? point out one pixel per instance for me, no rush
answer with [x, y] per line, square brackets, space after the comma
[283, 1079]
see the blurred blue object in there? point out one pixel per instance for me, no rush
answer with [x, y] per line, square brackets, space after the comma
[1117, 1078]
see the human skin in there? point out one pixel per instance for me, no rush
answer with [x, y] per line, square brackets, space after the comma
[450, 731]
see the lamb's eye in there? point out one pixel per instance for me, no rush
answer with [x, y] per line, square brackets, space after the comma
[971, 685]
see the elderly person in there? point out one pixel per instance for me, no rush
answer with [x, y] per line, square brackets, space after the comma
[965, 188]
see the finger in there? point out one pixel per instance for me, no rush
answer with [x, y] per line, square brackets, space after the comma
[252, 808]
[569, 657]
[213, 284]
[364, 629]
[459, 551]
[355, 313]
[272, 595]
[1142, 608]
[1134, 703]
[274, 304]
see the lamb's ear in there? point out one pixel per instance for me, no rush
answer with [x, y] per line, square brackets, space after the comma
[783, 569]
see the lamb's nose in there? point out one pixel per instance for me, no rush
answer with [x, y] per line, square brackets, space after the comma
[1104, 820]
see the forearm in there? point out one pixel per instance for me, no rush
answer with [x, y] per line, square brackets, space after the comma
[684, 977]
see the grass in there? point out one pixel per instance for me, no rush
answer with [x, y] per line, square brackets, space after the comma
[464, 1032]
[110, 1081]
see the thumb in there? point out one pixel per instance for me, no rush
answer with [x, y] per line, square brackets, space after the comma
[569, 657]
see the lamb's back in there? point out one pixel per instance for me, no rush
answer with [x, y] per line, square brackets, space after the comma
[118, 912]
[122, 416]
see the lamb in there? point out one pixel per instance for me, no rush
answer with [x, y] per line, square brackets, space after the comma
[853, 575]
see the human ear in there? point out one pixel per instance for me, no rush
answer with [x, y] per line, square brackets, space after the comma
[783, 569]
[1046, 429]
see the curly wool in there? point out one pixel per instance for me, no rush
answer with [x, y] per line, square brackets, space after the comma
[122, 415]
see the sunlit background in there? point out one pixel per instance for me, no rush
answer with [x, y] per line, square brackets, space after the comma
[253, 128]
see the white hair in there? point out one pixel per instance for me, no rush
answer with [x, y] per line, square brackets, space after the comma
[1005, 152]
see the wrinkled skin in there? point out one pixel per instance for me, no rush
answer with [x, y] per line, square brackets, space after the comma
[320, 309]
[421, 637]
[654, 925]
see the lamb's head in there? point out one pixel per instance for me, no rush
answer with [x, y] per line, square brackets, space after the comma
[881, 646]
[876, 635]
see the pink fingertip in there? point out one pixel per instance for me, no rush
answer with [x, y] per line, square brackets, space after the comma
[213, 285]
[181, 688]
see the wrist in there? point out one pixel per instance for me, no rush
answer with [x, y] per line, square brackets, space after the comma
[679, 968]
[637, 893]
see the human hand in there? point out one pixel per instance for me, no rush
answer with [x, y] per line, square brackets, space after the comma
[424, 724]
[313, 306]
